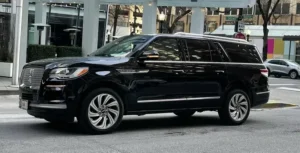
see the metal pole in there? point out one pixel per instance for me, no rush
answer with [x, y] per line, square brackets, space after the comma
[77, 24]
[290, 50]
[240, 18]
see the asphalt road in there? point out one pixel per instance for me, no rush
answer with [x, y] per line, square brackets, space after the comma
[274, 131]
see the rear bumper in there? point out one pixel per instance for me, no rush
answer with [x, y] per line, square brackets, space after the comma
[260, 98]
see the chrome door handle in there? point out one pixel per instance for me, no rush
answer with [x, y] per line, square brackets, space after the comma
[182, 71]
[220, 71]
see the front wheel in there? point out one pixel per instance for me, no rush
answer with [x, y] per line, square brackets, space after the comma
[102, 112]
[236, 108]
[293, 74]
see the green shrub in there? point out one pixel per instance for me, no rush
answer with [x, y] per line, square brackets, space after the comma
[65, 51]
[38, 52]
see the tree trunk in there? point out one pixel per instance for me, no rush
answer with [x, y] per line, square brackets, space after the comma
[265, 39]
[117, 12]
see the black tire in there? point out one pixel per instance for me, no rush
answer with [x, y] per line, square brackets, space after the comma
[185, 114]
[224, 112]
[83, 118]
[293, 74]
[277, 76]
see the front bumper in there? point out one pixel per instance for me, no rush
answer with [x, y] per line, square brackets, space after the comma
[54, 99]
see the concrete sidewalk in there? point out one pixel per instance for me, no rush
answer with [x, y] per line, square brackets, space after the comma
[6, 88]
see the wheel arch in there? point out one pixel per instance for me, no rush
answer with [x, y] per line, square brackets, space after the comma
[242, 86]
[120, 90]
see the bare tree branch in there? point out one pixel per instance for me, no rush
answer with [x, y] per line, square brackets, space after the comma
[171, 29]
[273, 9]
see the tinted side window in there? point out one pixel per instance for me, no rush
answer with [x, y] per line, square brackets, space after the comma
[241, 53]
[199, 50]
[283, 63]
[274, 62]
[167, 48]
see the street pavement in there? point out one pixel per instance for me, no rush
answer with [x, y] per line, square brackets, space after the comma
[268, 130]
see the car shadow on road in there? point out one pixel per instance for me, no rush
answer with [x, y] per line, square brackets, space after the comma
[137, 124]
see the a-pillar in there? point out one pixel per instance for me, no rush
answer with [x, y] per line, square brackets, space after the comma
[149, 17]
[197, 22]
[40, 18]
[20, 43]
[90, 26]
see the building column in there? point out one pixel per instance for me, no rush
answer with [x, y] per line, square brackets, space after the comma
[40, 18]
[90, 26]
[21, 30]
[197, 21]
[149, 17]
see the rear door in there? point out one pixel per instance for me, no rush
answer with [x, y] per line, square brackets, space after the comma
[206, 74]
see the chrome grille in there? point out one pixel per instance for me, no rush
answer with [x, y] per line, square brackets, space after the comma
[32, 77]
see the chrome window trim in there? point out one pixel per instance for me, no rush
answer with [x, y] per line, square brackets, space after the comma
[178, 99]
[261, 93]
[194, 62]
[49, 106]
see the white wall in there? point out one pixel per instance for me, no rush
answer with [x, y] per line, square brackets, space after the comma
[6, 69]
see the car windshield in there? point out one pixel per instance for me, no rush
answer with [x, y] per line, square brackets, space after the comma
[122, 46]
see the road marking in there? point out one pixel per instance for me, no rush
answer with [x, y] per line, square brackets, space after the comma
[290, 89]
[282, 84]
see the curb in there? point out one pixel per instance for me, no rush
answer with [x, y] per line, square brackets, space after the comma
[9, 92]
[272, 104]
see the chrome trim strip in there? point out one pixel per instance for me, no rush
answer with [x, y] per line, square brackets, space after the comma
[161, 100]
[178, 99]
[194, 62]
[55, 86]
[261, 93]
[56, 101]
[203, 98]
[50, 106]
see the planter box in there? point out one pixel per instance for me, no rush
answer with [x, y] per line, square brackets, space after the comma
[6, 69]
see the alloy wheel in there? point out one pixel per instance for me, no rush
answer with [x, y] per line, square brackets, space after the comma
[238, 107]
[293, 75]
[103, 111]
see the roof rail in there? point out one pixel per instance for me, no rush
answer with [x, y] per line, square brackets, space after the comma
[209, 36]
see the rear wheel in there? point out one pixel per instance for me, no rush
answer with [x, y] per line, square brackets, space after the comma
[236, 108]
[185, 114]
[102, 112]
[293, 74]
[277, 75]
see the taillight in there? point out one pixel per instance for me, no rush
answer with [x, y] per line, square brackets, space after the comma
[264, 72]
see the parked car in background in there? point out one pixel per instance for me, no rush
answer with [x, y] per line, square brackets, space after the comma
[283, 67]
[142, 74]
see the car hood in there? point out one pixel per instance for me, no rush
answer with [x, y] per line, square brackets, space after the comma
[65, 62]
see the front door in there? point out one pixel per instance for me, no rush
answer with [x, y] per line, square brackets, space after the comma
[206, 74]
[162, 87]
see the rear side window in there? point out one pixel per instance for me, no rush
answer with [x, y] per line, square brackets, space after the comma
[241, 53]
[274, 62]
[200, 50]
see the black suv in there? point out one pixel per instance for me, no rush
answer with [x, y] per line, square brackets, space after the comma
[141, 74]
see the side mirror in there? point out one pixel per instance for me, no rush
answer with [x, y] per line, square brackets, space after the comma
[149, 55]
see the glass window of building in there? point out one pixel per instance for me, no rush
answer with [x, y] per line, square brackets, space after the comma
[298, 8]
[286, 8]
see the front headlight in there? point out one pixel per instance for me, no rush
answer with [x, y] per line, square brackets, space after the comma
[68, 73]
